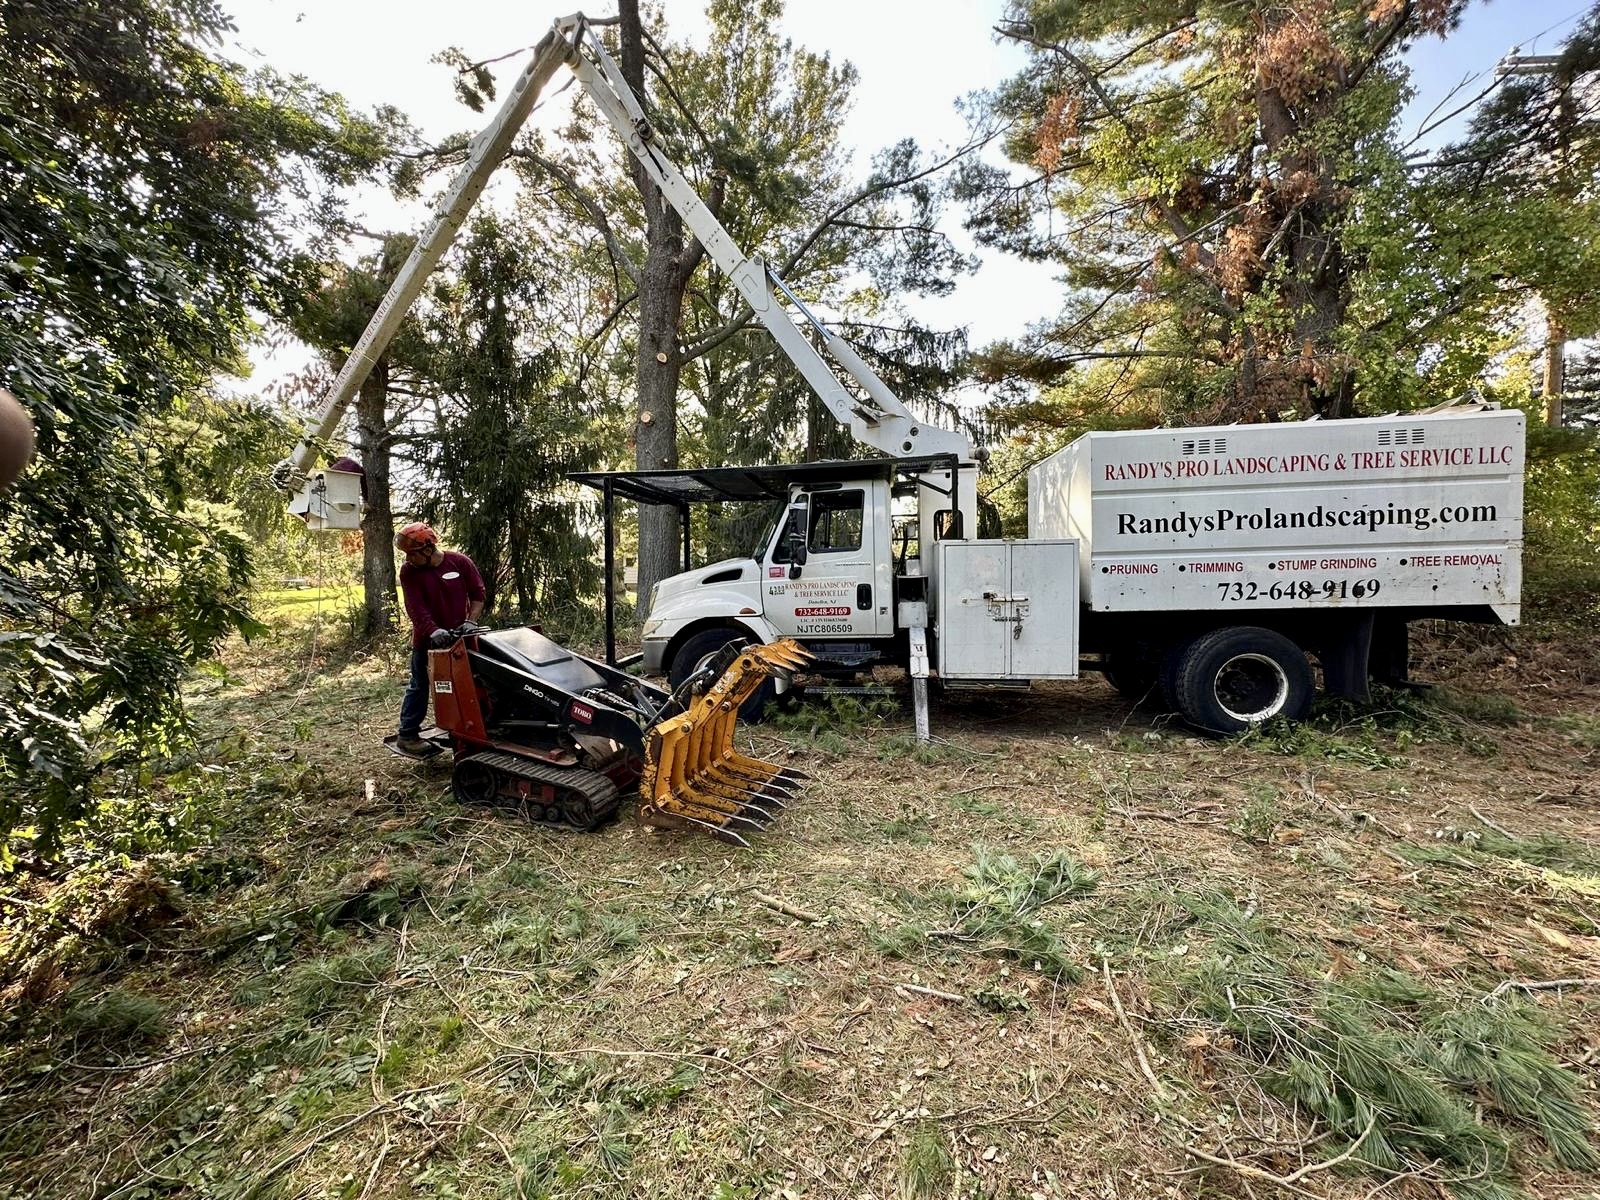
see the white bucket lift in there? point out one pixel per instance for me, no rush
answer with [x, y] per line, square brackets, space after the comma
[329, 500]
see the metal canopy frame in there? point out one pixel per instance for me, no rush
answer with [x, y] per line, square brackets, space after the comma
[729, 485]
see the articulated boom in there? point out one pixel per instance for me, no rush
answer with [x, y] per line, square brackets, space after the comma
[870, 408]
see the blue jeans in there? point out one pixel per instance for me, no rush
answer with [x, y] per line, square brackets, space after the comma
[415, 706]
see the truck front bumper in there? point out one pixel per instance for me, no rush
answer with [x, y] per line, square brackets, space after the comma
[654, 654]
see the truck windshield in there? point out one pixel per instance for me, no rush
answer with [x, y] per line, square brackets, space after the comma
[768, 528]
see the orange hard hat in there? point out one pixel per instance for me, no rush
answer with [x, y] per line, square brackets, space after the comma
[416, 536]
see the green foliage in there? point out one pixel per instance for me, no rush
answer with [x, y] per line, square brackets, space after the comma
[114, 1017]
[926, 1166]
[1514, 200]
[754, 122]
[511, 427]
[844, 714]
[1561, 525]
[1417, 1077]
[1203, 171]
[148, 198]
[340, 979]
[1461, 846]
[1260, 817]
[999, 902]
[1378, 733]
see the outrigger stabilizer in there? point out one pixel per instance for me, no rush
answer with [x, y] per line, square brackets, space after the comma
[559, 737]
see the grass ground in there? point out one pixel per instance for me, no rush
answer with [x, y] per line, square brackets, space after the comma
[1067, 950]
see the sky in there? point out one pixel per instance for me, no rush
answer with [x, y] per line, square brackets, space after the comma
[915, 59]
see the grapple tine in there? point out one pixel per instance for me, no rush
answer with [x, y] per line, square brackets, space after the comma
[779, 655]
[721, 832]
[759, 787]
[694, 775]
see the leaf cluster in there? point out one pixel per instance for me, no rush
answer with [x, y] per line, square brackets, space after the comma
[151, 196]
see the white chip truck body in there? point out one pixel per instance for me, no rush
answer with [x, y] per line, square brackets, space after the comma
[1383, 512]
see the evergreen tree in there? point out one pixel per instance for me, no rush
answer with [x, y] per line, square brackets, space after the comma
[1197, 169]
[507, 426]
[754, 124]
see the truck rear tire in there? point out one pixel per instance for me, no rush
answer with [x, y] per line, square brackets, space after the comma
[1135, 675]
[1229, 680]
[695, 652]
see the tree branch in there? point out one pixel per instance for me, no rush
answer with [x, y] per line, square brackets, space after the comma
[590, 206]
[742, 318]
[1024, 33]
[1175, 222]
[696, 250]
[1385, 40]
[877, 189]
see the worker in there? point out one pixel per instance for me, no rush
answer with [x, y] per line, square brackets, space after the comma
[350, 465]
[442, 590]
[16, 439]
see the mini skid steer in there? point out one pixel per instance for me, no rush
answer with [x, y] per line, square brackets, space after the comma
[559, 737]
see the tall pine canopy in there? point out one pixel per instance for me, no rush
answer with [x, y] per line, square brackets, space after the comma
[1203, 173]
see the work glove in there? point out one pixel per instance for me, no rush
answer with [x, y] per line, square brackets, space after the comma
[441, 639]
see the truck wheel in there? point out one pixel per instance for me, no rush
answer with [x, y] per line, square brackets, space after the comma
[1167, 674]
[1136, 676]
[1230, 679]
[699, 649]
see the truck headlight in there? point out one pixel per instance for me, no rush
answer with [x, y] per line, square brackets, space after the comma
[651, 626]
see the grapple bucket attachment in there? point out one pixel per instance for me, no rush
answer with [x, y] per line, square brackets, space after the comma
[694, 775]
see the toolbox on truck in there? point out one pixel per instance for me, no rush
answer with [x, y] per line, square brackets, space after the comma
[1007, 610]
[1419, 511]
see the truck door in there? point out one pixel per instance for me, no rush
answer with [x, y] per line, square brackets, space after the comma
[836, 593]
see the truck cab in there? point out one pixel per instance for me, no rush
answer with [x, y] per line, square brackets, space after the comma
[823, 570]
[839, 555]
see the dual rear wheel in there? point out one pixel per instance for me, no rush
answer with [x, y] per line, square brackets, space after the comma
[1223, 681]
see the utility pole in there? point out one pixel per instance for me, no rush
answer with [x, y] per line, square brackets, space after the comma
[1555, 330]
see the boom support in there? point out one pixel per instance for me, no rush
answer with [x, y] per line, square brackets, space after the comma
[875, 415]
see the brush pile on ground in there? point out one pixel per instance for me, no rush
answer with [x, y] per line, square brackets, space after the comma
[1066, 951]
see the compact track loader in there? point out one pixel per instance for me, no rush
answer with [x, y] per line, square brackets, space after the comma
[559, 737]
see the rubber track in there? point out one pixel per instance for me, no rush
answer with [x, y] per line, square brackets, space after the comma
[600, 795]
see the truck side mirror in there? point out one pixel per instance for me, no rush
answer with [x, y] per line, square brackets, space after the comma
[795, 538]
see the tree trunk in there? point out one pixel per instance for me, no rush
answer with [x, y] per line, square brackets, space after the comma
[656, 424]
[1318, 286]
[377, 522]
[668, 266]
[1555, 371]
[517, 549]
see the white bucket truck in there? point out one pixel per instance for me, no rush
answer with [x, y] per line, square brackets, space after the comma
[1200, 565]
[1203, 568]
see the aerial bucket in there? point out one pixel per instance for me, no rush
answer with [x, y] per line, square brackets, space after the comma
[329, 500]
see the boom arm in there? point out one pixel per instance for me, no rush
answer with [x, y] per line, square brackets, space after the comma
[873, 412]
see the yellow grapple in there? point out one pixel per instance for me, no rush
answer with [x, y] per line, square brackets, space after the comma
[694, 775]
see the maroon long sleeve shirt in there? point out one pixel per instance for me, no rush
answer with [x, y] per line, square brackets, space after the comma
[438, 597]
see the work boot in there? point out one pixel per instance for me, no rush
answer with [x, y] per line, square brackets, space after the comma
[411, 745]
